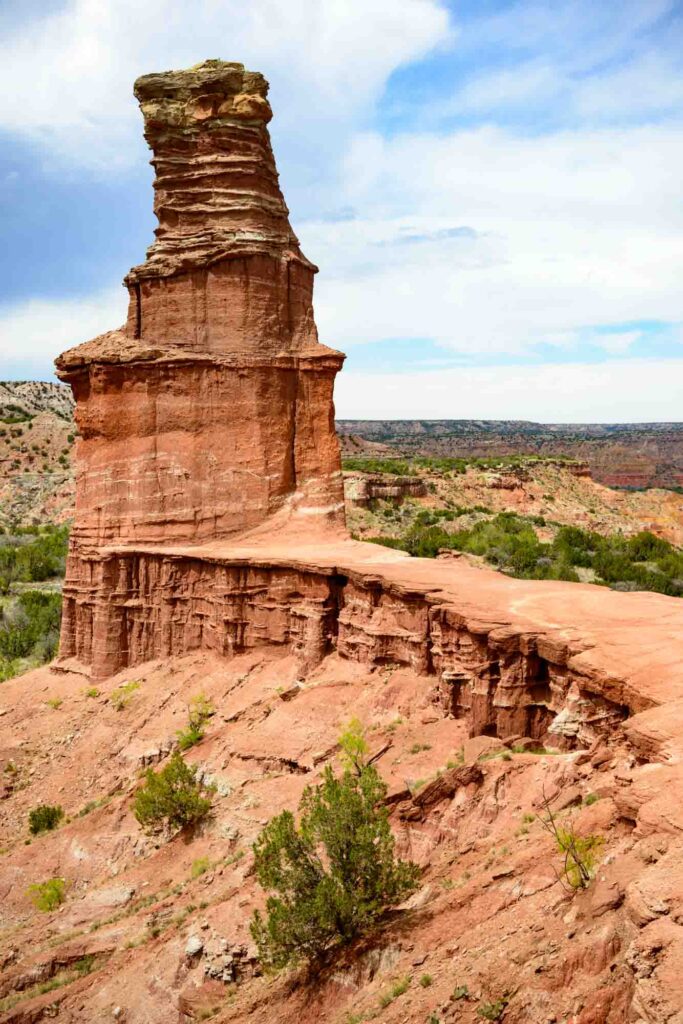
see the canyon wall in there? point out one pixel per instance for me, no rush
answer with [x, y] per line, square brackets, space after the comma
[362, 489]
[504, 677]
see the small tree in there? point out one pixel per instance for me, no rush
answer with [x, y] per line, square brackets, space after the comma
[47, 896]
[199, 711]
[580, 852]
[174, 796]
[333, 874]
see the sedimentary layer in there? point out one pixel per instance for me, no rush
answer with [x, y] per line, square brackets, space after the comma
[512, 657]
[211, 410]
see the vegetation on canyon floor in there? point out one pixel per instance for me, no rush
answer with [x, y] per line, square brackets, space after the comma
[334, 873]
[510, 543]
[30, 616]
[29, 631]
[445, 464]
[32, 554]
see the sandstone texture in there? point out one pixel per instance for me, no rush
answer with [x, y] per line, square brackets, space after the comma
[211, 409]
[362, 489]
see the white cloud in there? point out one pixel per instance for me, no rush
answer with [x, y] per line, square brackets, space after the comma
[66, 78]
[629, 390]
[568, 231]
[34, 332]
[487, 240]
[617, 342]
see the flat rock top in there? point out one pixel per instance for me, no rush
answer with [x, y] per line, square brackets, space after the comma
[628, 645]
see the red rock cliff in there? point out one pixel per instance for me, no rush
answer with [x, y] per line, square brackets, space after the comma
[211, 410]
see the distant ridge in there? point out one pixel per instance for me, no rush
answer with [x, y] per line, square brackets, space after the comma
[633, 455]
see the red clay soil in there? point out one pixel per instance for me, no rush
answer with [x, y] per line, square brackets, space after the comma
[490, 914]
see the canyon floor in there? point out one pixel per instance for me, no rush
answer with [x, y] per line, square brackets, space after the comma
[562, 493]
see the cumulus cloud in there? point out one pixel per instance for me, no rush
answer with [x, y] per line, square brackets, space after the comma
[566, 231]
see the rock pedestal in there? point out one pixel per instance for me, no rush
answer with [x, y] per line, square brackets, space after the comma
[211, 409]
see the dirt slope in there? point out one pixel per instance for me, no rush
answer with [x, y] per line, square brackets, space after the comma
[490, 922]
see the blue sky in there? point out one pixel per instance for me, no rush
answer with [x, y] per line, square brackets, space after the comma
[492, 190]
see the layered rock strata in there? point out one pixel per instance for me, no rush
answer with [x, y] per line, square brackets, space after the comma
[362, 489]
[561, 662]
[211, 409]
[209, 512]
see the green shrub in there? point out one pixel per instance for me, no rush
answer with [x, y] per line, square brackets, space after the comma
[42, 558]
[395, 467]
[27, 622]
[200, 867]
[44, 818]
[426, 980]
[580, 853]
[9, 667]
[397, 989]
[93, 805]
[492, 1011]
[199, 712]
[47, 896]
[173, 796]
[121, 697]
[510, 543]
[332, 875]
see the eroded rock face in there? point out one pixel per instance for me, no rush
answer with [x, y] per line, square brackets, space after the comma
[362, 489]
[211, 409]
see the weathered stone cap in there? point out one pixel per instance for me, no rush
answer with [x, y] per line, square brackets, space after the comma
[212, 89]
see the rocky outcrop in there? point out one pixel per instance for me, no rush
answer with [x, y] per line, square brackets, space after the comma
[211, 409]
[362, 489]
[554, 662]
[209, 511]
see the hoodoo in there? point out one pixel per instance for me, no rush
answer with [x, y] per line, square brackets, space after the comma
[211, 409]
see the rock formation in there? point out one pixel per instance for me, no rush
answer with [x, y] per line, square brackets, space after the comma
[362, 489]
[209, 523]
[211, 410]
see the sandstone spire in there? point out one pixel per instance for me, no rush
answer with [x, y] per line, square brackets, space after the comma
[211, 410]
